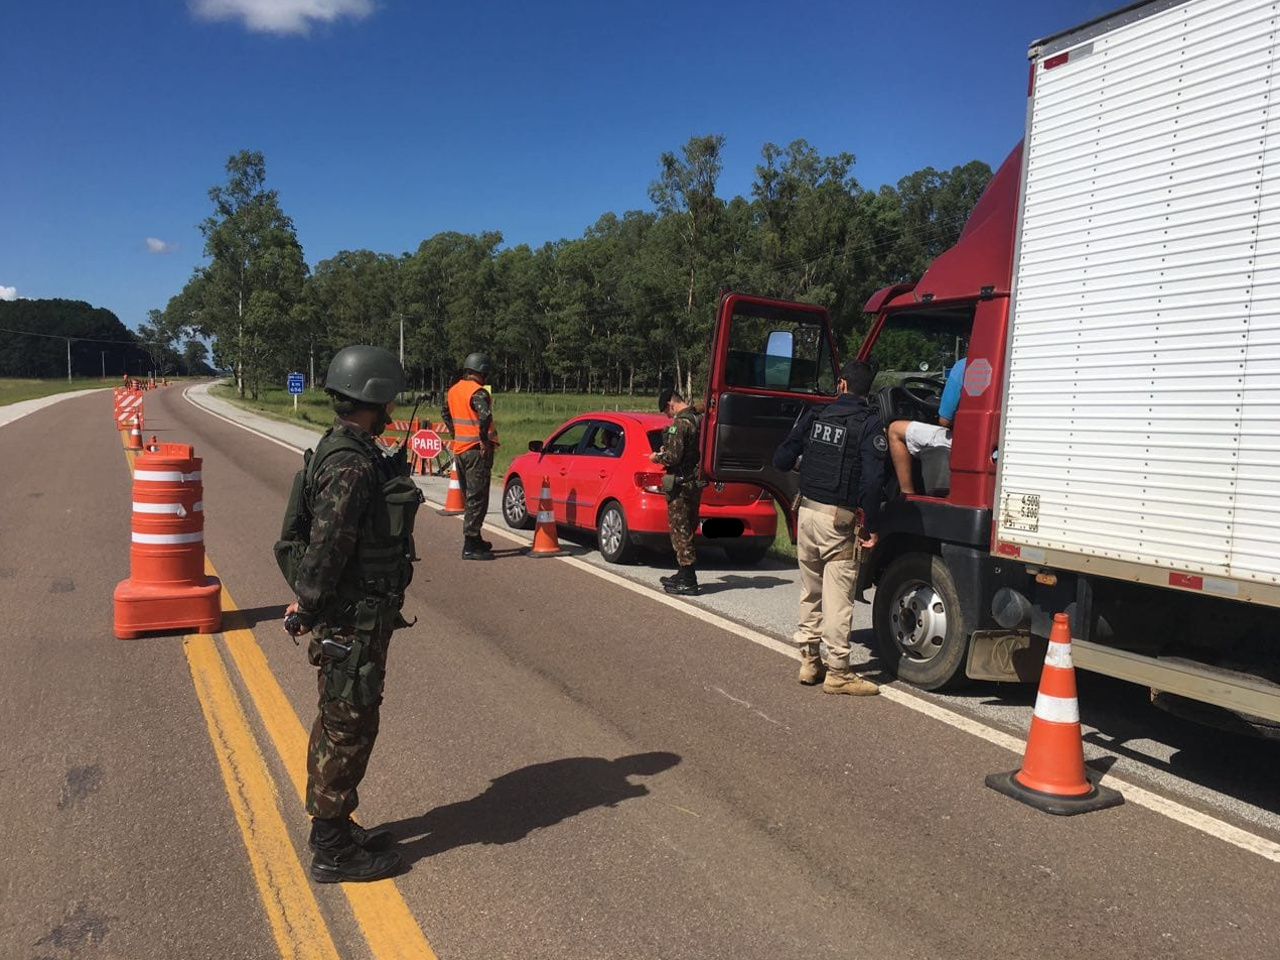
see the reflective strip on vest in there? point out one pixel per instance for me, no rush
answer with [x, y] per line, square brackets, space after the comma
[165, 476]
[177, 509]
[168, 537]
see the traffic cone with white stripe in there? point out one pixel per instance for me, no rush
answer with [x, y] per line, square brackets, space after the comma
[135, 434]
[1053, 777]
[454, 502]
[546, 543]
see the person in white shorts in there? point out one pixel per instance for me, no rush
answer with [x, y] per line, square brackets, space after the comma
[910, 438]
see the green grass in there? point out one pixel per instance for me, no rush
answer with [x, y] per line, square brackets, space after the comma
[521, 417]
[13, 390]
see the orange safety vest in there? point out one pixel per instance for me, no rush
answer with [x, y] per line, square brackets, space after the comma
[466, 425]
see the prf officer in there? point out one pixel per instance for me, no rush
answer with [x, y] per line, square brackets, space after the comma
[841, 448]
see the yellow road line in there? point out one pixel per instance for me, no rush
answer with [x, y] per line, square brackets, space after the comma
[389, 927]
[291, 907]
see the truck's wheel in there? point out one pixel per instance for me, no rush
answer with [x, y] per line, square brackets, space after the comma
[919, 623]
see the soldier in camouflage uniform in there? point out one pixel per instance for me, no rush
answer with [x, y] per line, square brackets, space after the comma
[350, 581]
[468, 415]
[679, 454]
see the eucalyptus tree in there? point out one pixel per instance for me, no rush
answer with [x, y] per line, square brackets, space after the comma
[255, 271]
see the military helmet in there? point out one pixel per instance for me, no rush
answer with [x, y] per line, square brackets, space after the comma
[365, 373]
[477, 363]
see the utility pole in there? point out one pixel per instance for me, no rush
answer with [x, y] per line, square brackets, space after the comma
[312, 382]
[104, 364]
[68, 359]
[402, 341]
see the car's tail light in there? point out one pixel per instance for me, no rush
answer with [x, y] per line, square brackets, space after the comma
[649, 482]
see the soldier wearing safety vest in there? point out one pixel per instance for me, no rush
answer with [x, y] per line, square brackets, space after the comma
[468, 415]
[841, 448]
[347, 552]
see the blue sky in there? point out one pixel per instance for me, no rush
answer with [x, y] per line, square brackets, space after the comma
[384, 122]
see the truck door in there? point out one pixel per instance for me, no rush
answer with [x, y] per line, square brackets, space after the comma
[770, 361]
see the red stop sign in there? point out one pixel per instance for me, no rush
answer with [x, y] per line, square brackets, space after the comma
[426, 444]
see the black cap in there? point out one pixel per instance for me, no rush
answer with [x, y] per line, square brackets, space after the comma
[665, 397]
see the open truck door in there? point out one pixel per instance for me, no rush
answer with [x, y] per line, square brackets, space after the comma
[770, 362]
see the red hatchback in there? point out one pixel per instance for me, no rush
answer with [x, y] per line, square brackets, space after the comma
[601, 479]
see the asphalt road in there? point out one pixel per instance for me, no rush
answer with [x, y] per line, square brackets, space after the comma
[575, 766]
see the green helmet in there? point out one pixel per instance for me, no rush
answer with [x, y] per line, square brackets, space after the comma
[365, 373]
[477, 363]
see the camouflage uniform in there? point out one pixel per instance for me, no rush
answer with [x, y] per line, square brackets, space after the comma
[680, 457]
[346, 486]
[474, 466]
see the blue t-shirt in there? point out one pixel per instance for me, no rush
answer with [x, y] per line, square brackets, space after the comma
[951, 392]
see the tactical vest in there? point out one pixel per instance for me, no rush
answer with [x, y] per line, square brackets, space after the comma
[687, 468]
[832, 464]
[376, 578]
[466, 425]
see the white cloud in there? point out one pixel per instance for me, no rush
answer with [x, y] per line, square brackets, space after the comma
[280, 16]
[159, 246]
[8, 293]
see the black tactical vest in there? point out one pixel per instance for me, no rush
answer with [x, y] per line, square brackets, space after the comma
[832, 464]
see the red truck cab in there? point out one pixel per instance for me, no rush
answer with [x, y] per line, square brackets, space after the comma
[771, 360]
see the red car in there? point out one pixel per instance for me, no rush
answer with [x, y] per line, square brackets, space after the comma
[602, 479]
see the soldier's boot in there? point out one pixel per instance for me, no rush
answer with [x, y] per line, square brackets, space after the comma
[847, 682]
[670, 578]
[685, 584]
[375, 840]
[473, 548]
[812, 669]
[485, 543]
[338, 858]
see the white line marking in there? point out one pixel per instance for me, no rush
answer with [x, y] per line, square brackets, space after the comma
[1133, 793]
[256, 433]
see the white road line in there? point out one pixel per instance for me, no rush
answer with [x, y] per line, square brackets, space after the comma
[1133, 793]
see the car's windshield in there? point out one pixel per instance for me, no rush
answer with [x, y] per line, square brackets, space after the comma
[920, 344]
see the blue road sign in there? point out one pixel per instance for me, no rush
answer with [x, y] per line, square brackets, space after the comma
[296, 382]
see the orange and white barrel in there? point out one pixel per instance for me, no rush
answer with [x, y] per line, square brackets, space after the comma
[168, 517]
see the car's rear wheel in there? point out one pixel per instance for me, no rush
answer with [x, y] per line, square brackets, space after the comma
[748, 554]
[612, 534]
[515, 508]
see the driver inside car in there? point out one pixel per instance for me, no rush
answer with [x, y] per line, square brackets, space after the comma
[911, 438]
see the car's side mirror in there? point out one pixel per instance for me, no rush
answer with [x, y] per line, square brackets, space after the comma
[535, 446]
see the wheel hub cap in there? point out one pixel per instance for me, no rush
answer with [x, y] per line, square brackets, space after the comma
[919, 621]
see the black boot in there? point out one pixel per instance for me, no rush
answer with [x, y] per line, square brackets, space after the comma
[485, 543]
[375, 840]
[685, 584]
[672, 578]
[339, 858]
[473, 548]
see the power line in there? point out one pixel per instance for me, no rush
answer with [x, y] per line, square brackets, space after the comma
[59, 336]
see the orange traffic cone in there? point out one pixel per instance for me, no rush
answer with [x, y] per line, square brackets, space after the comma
[1053, 776]
[454, 503]
[135, 435]
[545, 541]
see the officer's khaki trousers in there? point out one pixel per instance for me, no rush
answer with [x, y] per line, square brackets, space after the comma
[826, 547]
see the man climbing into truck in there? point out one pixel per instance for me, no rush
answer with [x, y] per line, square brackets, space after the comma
[913, 438]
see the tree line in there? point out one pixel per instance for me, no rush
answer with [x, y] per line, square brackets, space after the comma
[48, 338]
[628, 306]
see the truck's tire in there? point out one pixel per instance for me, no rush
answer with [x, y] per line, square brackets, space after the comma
[919, 623]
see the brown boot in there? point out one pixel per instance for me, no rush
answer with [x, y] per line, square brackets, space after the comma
[846, 681]
[812, 670]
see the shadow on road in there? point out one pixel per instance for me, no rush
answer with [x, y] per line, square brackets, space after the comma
[734, 582]
[517, 803]
[249, 618]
